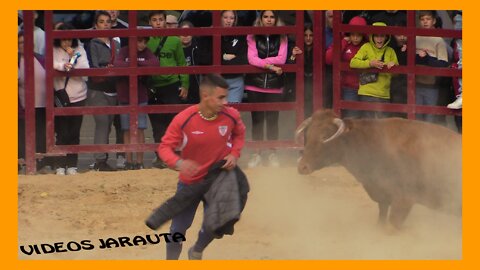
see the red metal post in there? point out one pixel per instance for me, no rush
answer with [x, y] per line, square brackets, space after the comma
[30, 132]
[318, 58]
[300, 74]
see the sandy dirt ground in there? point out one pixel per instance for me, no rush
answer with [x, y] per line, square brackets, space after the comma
[326, 215]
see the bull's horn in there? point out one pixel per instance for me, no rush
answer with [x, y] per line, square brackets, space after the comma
[341, 128]
[301, 128]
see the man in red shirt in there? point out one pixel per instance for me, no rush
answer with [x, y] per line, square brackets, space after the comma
[204, 134]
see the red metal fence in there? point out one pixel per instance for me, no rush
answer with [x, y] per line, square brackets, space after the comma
[216, 31]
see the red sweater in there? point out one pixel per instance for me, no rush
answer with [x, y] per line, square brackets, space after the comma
[205, 142]
[349, 78]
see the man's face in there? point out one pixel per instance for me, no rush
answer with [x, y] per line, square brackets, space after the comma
[157, 21]
[114, 14]
[427, 22]
[216, 99]
[103, 22]
[186, 40]
[172, 21]
[401, 39]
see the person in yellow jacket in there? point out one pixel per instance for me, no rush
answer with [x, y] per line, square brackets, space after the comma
[375, 54]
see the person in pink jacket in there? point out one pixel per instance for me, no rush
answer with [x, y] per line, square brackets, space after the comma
[266, 52]
[349, 79]
[67, 128]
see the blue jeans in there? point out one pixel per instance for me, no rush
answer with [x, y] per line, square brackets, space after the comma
[373, 114]
[350, 94]
[181, 223]
[235, 89]
[426, 96]
[142, 119]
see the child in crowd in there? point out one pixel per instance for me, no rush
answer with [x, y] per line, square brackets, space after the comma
[351, 44]
[144, 58]
[432, 52]
[375, 54]
[457, 51]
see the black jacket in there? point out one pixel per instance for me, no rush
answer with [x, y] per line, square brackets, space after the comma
[267, 46]
[225, 193]
[236, 45]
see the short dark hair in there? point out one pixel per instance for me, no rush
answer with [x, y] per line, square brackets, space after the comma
[431, 13]
[65, 26]
[100, 13]
[214, 80]
[187, 23]
[157, 12]
[146, 38]
[307, 26]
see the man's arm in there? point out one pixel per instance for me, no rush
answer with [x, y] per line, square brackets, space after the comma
[170, 142]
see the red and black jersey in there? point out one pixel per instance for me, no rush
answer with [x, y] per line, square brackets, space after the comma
[202, 141]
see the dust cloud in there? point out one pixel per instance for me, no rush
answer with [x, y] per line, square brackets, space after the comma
[326, 215]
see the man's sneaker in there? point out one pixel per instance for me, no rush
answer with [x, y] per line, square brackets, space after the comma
[121, 162]
[254, 161]
[457, 104]
[194, 255]
[60, 171]
[72, 171]
[103, 166]
[158, 163]
[273, 160]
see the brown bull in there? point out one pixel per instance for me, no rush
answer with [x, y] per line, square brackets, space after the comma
[399, 162]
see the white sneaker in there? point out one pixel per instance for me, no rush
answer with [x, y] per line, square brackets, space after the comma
[273, 160]
[121, 162]
[254, 161]
[60, 171]
[72, 171]
[457, 104]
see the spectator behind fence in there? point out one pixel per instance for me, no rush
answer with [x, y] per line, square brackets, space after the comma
[457, 52]
[144, 58]
[234, 52]
[102, 91]
[349, 47]
[118, 24]
[171, 20]
[307, 69]
[375, 54]
[38, 35]
[266, 52]
[432, 52]
[44, 165]
[192, 53]
[398, 86]
[166, 88]
[328, 83]
[67, 128]
[390, 17]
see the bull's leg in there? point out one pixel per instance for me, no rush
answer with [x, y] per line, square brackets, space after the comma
[382, 212]
[399, 212]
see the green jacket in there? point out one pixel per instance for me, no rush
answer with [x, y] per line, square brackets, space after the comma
[170, 55]
[368, 52]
